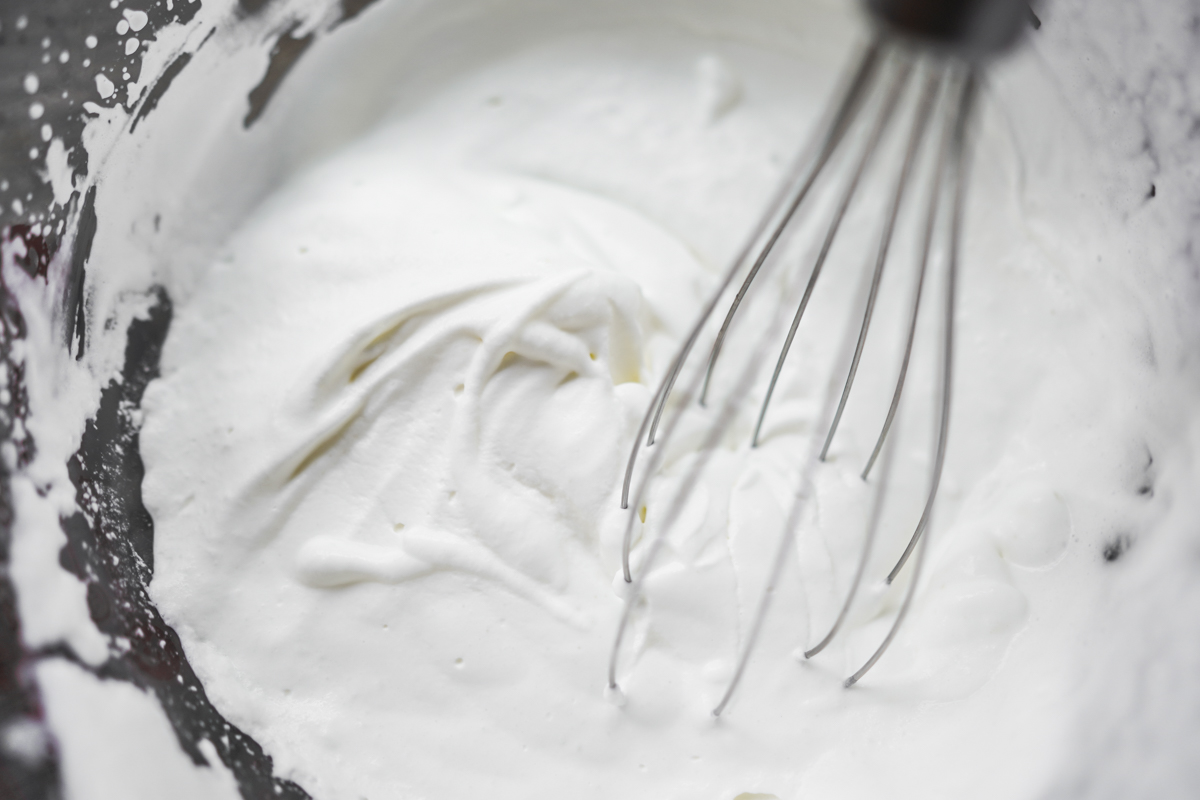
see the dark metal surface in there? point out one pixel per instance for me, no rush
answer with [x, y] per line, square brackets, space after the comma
[110, 537]
[970, 28]
[19, 701]
[110, 547]
[34, 35]
[45, 59]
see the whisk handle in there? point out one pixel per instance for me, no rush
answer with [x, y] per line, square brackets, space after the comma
[973, 29]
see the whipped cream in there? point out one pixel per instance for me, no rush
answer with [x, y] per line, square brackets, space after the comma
[384, 455]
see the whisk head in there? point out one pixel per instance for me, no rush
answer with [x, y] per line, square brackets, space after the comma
[974, 30]
[939, 88]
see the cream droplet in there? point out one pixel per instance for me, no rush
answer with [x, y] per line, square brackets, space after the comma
[137, 19]
[104, 86]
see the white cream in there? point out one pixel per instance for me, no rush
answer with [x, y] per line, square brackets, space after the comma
[586, 213]
[384, 456]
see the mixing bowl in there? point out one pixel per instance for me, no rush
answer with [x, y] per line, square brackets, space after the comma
[136, 137]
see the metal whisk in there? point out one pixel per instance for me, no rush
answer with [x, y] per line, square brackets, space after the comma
[935, 50]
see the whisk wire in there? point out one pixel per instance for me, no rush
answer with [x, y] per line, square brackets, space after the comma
[938, 83]
[889, 106]
[942, 80]
[959, 175]
[829, 138]
[926, 246]
[836, 131]
[920, 121]
[840, 123]
[924, 111]
[725, 417]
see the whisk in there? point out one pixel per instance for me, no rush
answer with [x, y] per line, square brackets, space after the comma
[935, 50]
